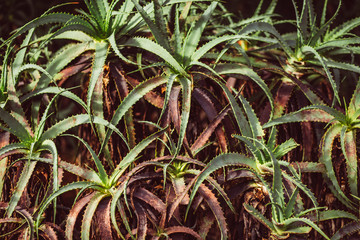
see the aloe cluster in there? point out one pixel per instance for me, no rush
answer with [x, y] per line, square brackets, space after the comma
[180, 120]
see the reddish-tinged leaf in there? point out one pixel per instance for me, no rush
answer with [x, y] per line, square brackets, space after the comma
[48, 232]
[210, 110]
[205, 226]
[175, 114]
[182, 229]
[73, 214]
[215, 207]
[150, 198]
[103, 219]
[141, 221]
[203, 138]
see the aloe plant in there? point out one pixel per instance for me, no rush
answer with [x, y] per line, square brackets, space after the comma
[341, 125]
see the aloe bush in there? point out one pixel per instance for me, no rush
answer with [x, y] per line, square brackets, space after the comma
[180, 120]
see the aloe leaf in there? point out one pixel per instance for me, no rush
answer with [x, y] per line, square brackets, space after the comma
[308, 49]
[62, 58]
[192, 40]
[326, 158]
[324, 27]
[271, 7]
[4, 143]
[342, 29]
[285, 147]
[297, 182]
[215, 208]
[33, 66]
[40, 128]
[115, 48]
[335, 214]
[342, 65]
[241, 121]
[125, 11]
[266, 27]
[73, 214]
[209, 45]
[89, 175]
[308, 222]
[54, 90]
[131, 156]
[10, 148]
[323, 15]
[88, 215]
[157, 49]
[355, 101]
[98, 111]
[102, 173]
[223, 160]
[236, 69]
[26, 173]
[253, 211]
[20, 56]
[289, 209]
[338, 44]
[314, 113]
[157, 28]
[347, 229]
[42, 20]
[304, 87]
[277, 188]
[74, 121]
[15, 127]
[101, 51]
[185, 111]
[169, 85]
[254, 123]
[212, 127]
[138, 92]
[348, 145]
[67, 188]
[16, 109]
[254, 149]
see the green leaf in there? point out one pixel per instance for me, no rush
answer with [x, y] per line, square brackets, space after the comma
[157, 28]
[308, 222]
[326, 158]
[102, 173]
[54, 90]
[158, 50]
[185, 111]
[241, 121]
[308, 49]
[67, 188]
[285, 147]
[253, 211]
[138, 92]
[131, 156]
[192, 40]
[342, 29]
[42, 20]
[74, 121]
[220, 161]
[246, 71]
[15, 127]
[26, 173]
[20, 56]
[314, 113]
[62, 58]
[88, 215]
[101, 51]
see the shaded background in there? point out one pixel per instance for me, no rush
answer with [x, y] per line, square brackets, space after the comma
[16, 13]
